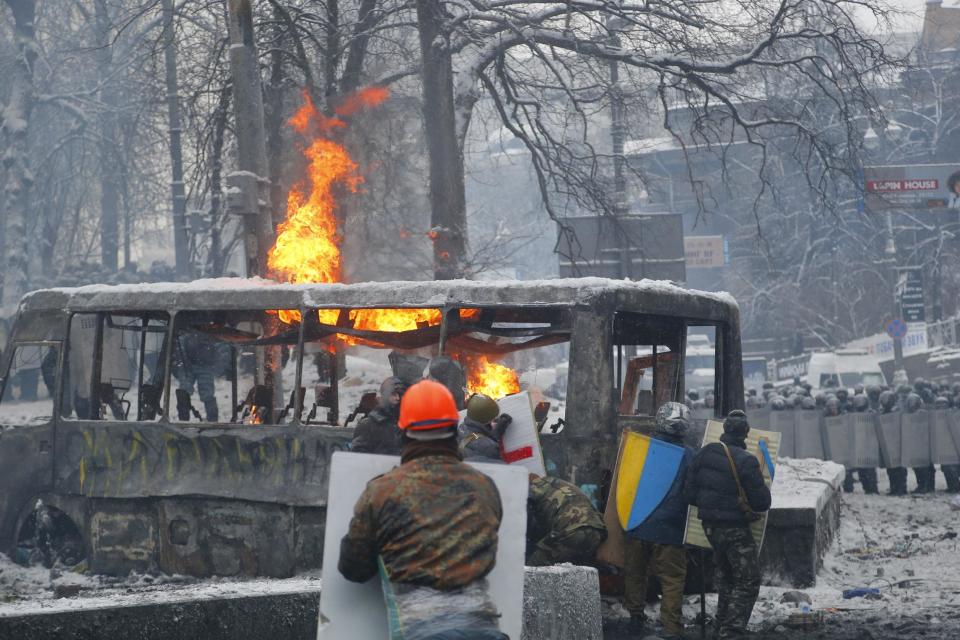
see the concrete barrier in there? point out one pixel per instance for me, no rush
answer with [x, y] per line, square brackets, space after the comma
[804, 518]
[560, 603]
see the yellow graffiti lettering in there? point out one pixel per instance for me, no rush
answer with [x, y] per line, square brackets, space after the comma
[242, 456]
[170, 449]
[83, 473]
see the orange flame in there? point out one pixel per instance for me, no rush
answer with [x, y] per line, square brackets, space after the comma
[307, 247]
[490, 378]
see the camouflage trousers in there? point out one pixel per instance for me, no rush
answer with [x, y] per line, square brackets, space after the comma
[737, 578]
[952, 473]
[578, 546]
[669, 564]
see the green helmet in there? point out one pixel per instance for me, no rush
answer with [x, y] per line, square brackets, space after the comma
[482, 408]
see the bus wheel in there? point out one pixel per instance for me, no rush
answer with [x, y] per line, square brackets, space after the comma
[49, 537]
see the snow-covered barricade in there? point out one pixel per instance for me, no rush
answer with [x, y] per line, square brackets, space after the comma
[804, 518]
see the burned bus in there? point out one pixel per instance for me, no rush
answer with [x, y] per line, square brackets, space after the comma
[189, 427]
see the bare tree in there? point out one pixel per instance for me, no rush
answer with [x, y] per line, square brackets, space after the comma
[15, 128]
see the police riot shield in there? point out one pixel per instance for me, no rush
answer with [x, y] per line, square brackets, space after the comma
[864, 446]
[837, 431]
[942, 448]
[784, 423]
[808, 435]
[888, 433]
[915, 440]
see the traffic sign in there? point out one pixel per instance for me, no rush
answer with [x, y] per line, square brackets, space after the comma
[896, 329]
[911, 298]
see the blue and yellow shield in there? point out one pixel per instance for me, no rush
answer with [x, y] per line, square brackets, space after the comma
[645, 473]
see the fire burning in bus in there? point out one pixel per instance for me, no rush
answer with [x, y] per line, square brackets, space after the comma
[307, 249]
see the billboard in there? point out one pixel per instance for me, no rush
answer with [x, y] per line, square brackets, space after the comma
[918, 186]
[705, 252]
[633, 246]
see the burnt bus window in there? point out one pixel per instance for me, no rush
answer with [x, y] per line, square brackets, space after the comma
[235, 367]
[646, 362]
[350, 354]
[28, 388]
[700, 367]
[115, 366]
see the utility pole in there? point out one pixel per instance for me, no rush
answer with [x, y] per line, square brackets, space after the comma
[448, 207]
[176, 147]
[249, 193]
[890, 256]
[617, 135]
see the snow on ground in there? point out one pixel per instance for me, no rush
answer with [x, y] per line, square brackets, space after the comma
[30, 590]
[908, 547]
[905, 546]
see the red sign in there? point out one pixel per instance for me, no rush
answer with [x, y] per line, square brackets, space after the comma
[915, 187]
[886, 186]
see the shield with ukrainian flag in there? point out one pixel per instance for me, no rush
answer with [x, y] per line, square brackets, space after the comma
[646, 470]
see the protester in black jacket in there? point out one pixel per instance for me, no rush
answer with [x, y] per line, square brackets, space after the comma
[712, 488]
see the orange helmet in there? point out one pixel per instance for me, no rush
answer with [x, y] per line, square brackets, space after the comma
[427, 406]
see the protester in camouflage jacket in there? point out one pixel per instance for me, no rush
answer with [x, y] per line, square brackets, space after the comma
[430, 528]
[433, 520]
[562, 524]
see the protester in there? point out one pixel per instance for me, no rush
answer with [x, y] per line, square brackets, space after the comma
[430, 528]
[483, 429]
[377, 432]
[726, 485]
[655, 548]
[562, 524]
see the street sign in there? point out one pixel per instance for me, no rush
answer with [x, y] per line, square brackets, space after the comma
[896, 329]
[918, 186]
[911, 298]
[633, 246]
[705, 252]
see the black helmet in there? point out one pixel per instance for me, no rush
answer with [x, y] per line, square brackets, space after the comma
[873, 392]
[941, 403]
[736, 424]
[808, 403]
[832, 405]
[860, 402]
[778, 404]
[693, 395]
[914, 402]
[842, 394]
[858, 388]
[887, 400]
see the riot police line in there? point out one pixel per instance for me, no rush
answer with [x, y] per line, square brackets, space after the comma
[865, 440]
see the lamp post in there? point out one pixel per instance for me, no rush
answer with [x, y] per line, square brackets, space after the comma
[874, 142]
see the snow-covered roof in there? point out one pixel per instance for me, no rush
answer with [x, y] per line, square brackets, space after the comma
[653, 296]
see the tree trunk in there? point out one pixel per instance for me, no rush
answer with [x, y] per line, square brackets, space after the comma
[106, 147]
[180, 243]
[251, 137]
[274, 124]
[15, 126]
[218, 258]
[447, 192]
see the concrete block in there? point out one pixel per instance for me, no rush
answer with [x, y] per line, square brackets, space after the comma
[561, 603]
[803, 520]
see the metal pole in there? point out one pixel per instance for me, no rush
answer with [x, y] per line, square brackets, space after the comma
[899, 375]
[703, 594]
[180, 245]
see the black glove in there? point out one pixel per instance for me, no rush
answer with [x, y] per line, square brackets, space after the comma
[501, 423]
